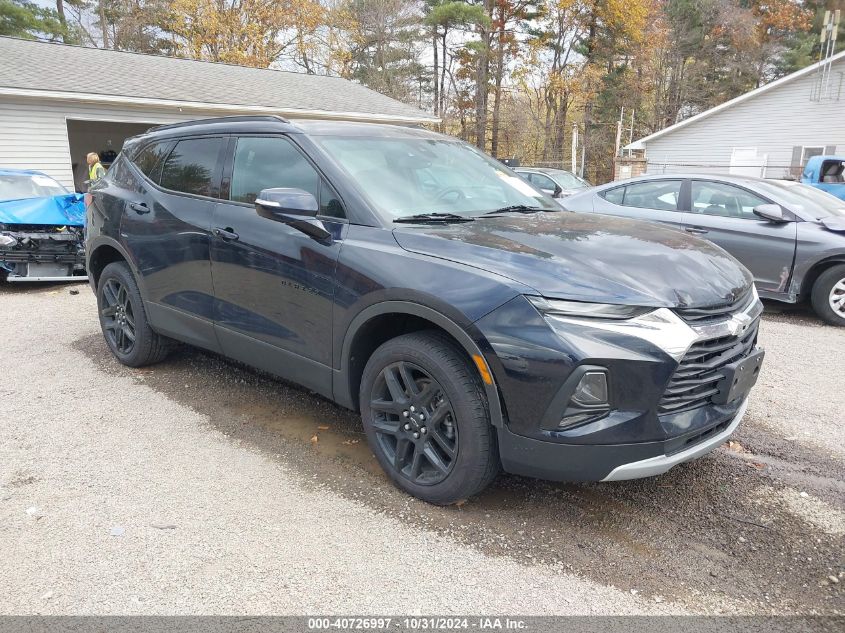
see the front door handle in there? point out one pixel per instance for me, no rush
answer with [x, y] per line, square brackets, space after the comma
[139, 207]
[697, 230]
[226, 234]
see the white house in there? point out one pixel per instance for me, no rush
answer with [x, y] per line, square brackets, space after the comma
[59, 102]
[768, 132]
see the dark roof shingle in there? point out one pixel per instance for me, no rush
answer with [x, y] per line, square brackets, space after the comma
[31, 65]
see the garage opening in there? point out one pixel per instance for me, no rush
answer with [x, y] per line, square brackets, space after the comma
[104, 137]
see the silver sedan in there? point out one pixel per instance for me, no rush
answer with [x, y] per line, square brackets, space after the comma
[790, 236]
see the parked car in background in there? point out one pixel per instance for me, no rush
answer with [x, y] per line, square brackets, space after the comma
[558, 183]
[826, 173]
[789, 235]
[41, 229]
[406, 275]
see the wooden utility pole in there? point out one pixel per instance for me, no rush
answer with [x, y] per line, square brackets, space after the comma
[619, 132]
[585, 149]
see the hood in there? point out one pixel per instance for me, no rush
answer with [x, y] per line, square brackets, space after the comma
[65, 210]
[589, 258]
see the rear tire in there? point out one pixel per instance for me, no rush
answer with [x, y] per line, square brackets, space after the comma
[426, 417]
[828, 295]
[124, 320]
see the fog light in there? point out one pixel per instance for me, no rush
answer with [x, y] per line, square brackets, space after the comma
[584, 397]
[591, 390]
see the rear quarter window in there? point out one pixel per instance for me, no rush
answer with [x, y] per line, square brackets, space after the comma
[149, 160]
[615, 195]
[120, 174]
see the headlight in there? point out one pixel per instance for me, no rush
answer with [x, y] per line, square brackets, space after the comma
[7, 240]
[587, 310]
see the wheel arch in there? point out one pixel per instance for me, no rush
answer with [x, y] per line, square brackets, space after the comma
[816, 270]
[104, 252]
[382, 321]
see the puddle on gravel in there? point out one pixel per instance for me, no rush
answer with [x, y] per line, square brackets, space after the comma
[320, 436]
[695, 535]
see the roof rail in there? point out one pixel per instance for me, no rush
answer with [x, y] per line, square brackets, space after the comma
[222, 119]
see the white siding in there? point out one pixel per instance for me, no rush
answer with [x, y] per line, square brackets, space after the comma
[34, 135]
[773, 122]
[33, 132]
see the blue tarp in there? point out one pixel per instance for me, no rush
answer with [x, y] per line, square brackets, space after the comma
[64, 210]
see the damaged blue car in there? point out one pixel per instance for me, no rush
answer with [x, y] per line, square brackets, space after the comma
[41, 229]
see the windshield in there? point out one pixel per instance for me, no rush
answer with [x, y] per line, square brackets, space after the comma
[21, 186]
[410, 176]
[568, 180]
[805, 199]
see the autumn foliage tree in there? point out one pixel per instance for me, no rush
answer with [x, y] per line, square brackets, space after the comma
[519, 78]
[245, 32]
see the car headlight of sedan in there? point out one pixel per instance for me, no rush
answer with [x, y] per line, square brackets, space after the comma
[7, 240]
[584, 310]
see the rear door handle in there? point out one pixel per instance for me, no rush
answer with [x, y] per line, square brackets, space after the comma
[226, 234]
[139, 207]
[696, 229]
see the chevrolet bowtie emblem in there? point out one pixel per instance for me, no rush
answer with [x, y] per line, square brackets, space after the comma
[739, 323]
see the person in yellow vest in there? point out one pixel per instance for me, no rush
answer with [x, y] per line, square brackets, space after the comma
[95, 169]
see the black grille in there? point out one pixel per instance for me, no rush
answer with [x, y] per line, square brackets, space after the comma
[703, 315]
[696, 379]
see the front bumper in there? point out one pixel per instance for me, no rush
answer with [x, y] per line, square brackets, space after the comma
[676, 388]
[660, 464]
[608, 462]
[42, 254]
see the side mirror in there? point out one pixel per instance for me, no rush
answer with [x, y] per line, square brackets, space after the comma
[770, 212]
[278, 203]
[558, 190]
[294, 207]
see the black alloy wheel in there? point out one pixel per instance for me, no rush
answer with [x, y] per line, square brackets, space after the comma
[123, 318]
[426, 417]
[117, 316]
[414, 423]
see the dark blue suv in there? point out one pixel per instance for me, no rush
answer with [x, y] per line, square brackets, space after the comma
[406, 275]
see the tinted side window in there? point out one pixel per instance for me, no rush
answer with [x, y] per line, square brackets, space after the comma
[653, 194]
[190, 166]
[269, 162]
[330, 203]
[151, 157]
[120, 174]
[615, 195]
[716, 198]
[544, 182]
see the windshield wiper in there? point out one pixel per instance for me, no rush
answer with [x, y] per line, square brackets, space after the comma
[514, 208]
[433, 217]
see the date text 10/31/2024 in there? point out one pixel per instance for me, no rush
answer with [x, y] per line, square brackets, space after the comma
[415, 624]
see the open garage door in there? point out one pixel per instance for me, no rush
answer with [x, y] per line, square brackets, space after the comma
[104, 137]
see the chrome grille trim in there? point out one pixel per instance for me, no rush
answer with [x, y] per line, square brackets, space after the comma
[719, 342]
[716, 313]
[697, 376]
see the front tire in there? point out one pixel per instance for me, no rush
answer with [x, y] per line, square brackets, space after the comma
[124, 320]
[426, 417]
[828, 295]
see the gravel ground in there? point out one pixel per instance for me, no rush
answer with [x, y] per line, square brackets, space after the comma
[801, 393]
[198, 487]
